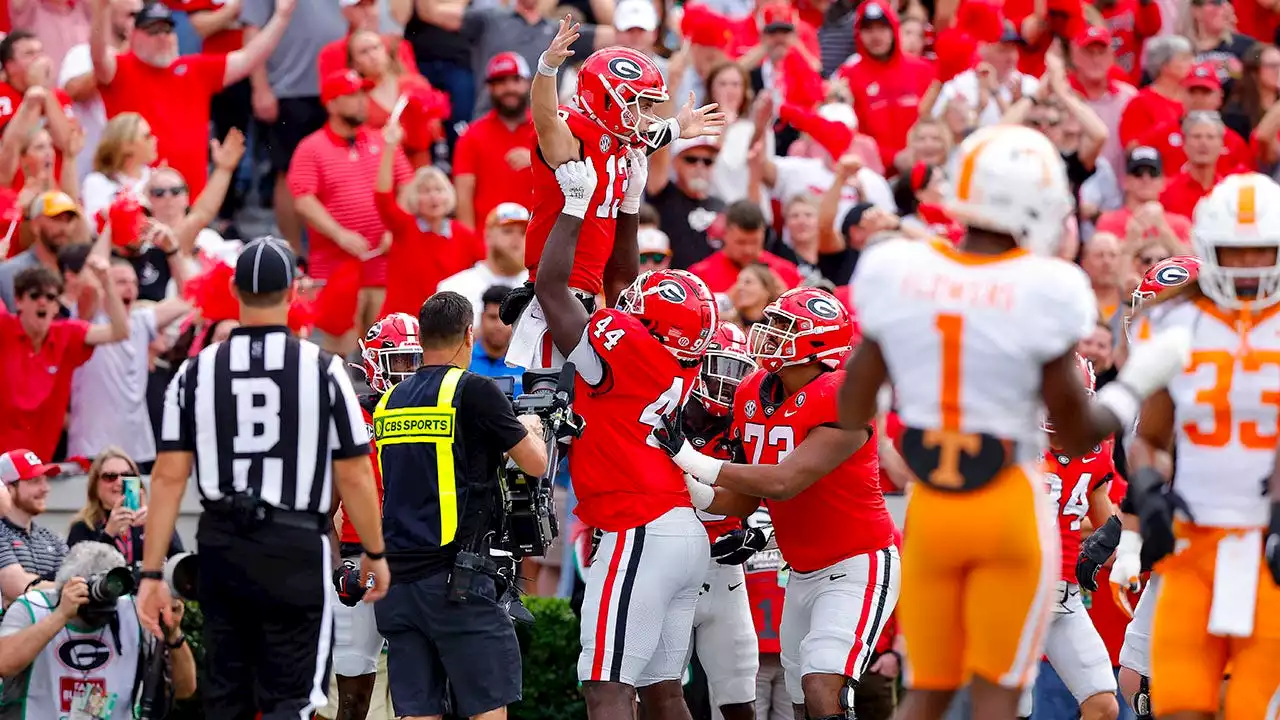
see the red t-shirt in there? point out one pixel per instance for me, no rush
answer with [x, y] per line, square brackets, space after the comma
[720, 273]
[1131, 23]
[219, 43]
[334, 55]
[349, 534]
[1071, 481]
[35, 385]
[1183, 192]
[1115, 222]
[419, 259]
[621, 481]
[485, 152]
[1148, 109]
[340, 173]
[608, 155]
[175, 102]
[839, 516]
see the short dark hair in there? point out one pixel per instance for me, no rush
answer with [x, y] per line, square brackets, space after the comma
[72, 257]
[34, 280]
[744, 215]
[494, 295]
[443, 320]
[263, 300]
[648, 215]
[10, 40]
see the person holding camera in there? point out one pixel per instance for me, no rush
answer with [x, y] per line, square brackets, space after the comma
[76, 652]
[441, 435]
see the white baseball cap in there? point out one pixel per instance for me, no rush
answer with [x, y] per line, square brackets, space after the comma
[633, 14]
[681, 145]
[653, 240]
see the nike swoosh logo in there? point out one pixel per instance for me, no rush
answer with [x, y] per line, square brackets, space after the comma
[837, 576]
[734, 587]
[1087, 459]
[789, 413]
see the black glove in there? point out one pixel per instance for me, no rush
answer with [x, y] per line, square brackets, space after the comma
[1095, 550]
[669, 433]
[1154, 502]
[348, 583]
[737, 546]
[1272, 546]
[514, 303]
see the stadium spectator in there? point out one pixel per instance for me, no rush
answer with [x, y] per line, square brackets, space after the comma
[493, 336]
[928, 141]
[332, 175]
[1203, 92]
[1101, 261]
[635, 24]
[170, 200]
[78, 289]
[744, 234]
[1167, 59]
[1094, 61]
[1143, 216]
[390, 82]
[76, 78]
[495, 151]
[29, 151]
[109, 391]
[1130, 23]
[1204, 138]
[755, 287]
[993, 85]
[679, 188]
[123, 160]
[729, 85]
[105, 517]
[27, 68]
[503, 262]
[59, 25]
[1048, 110]
[362, 15]
[179, 116]
[1214, 41]
[28, 551]
[1257, 90]
[54, 220]
[655, 249]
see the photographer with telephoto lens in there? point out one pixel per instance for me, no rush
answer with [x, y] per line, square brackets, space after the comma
[76, 651]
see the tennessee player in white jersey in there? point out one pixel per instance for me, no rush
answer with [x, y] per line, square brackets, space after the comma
[974, 339]
[1219, 602]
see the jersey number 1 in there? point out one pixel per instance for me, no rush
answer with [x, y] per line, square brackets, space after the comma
[948, 439]
[609, 206]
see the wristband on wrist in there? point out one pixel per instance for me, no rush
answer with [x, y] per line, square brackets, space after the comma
[182, 640]
[704, 469]
[374, 555]
[544, 68]
[151, 575]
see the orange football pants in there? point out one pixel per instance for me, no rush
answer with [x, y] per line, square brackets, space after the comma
[978, 570]
[1187, 663]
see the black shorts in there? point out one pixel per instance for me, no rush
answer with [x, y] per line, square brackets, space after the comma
[430, 639]
[296, 119]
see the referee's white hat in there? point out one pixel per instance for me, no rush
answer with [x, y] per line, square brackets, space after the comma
[265, 265]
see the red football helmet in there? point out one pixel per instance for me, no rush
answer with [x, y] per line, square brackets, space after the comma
[391, 351]
[801, 326]
[611, 84]
[676, 307]
[723, 368]
[1087, 377]
[1165, 275]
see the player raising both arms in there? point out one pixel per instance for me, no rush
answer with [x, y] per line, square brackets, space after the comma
[635, 364]
[612, 126]
[822, 486]
[1205, 529]
[974, 337]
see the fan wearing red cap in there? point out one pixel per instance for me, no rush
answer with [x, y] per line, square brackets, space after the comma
[888, 84]
[611, 125]
[1167, 59]
[492, 158]
[27, 549]
[1128, 25]
[1203, 92]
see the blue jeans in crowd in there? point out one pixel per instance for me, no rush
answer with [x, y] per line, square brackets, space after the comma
[1054, 702]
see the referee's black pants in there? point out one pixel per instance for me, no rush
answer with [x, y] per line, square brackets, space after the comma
[267, 620]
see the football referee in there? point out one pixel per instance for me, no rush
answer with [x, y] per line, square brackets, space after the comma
[270, 424]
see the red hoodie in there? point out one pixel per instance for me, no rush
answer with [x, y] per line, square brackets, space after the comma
[887, 91]
[1131, 23]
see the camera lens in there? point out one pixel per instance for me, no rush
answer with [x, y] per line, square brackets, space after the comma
[111, 585]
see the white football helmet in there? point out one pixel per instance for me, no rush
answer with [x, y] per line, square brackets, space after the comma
[1011, 179]
[1242, 211]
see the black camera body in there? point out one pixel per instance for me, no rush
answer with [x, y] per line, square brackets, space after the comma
[529, 509]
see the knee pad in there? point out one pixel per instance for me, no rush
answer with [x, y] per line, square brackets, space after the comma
[1142, 699]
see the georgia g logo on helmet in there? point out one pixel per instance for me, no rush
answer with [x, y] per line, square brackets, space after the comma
[1172, 276]
[671, 291]
[625, 68]
[823, 308]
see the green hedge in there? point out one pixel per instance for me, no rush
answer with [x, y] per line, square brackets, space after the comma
[549, 648]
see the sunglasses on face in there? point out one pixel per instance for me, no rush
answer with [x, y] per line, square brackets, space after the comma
[157, 29]
[159, 192]
[114, 476]
[50, 296]
[652, 257]
[1145, 172]
[698, 160]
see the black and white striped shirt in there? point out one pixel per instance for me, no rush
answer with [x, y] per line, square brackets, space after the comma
[264, 413]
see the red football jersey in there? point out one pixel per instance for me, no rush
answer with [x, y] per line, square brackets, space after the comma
[839, 516]
[1070, 481]
[764, 593]
[595, 240]
[349, 534]
[621, 481]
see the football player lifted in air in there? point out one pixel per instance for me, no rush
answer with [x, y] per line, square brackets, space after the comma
[724, 633]
[1208, 526]
[822, 485]
[635, 364]
[390, 353]
[612, 126]
[975, 338]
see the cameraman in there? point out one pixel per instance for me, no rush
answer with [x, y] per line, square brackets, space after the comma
[77, 651]
[441, 435]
